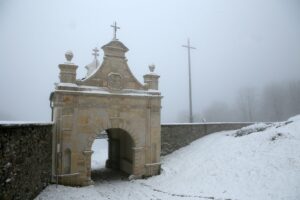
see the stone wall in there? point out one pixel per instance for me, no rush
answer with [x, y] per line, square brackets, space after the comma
[175, 136]
[25, 153]
[25, 160]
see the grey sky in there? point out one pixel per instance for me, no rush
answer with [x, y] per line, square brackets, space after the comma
[239, 43]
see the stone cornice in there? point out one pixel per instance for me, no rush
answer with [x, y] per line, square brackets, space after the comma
[105, 93]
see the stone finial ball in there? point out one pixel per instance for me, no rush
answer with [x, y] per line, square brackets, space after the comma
[152, 68]
[69, 55]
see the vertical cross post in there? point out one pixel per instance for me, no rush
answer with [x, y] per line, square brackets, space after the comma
[189, 47]
[115, 27]
[96, 54]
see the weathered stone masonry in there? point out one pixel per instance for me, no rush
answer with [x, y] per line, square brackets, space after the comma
[25, 160]
[175, 136]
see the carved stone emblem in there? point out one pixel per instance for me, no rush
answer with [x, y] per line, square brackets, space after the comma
[114, 81]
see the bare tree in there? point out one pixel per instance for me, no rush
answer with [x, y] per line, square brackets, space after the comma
[274, 102]
[294, 98]
[218, 112]
[246, 102]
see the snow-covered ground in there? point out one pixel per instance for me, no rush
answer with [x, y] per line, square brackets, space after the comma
[261, 161]
[100, 155]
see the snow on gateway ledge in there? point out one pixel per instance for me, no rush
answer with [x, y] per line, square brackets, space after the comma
[21, 123]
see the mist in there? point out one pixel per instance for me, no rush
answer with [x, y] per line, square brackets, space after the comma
[247, 46]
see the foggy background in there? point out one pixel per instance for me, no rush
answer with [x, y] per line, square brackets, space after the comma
[246, 66]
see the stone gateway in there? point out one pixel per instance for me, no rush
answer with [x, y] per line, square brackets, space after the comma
[108, 99]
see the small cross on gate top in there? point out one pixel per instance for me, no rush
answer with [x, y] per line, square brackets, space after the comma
[115, 30]
[95, 54]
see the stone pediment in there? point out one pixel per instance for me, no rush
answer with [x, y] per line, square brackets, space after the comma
[117, 45]
[114, 72]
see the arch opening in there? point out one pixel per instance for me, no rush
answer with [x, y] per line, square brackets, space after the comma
[113, 155]
[100, 151]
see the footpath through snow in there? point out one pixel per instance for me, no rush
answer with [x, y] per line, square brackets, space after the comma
[261, 161]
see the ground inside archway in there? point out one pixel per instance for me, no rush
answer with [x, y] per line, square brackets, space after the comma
[260, 162]
[100, 173]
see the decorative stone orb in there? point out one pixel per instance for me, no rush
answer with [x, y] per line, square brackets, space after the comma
[69, 55]
[152, 68]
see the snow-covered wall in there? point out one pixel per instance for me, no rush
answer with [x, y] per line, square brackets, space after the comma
[25, 159]
[175, 136]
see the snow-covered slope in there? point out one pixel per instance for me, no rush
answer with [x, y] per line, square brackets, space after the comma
[261, 161]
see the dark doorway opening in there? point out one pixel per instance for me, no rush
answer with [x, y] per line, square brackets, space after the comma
[113, 156]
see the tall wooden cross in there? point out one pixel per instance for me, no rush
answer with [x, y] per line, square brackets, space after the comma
[115, 30]
[189, 47]
[96, 54]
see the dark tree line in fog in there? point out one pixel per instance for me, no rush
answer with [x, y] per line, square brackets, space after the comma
[274, 102]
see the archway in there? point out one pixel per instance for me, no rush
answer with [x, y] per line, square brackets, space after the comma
[110, 98]
[116, 145]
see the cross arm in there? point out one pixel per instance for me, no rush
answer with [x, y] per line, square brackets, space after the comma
[189, 47]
